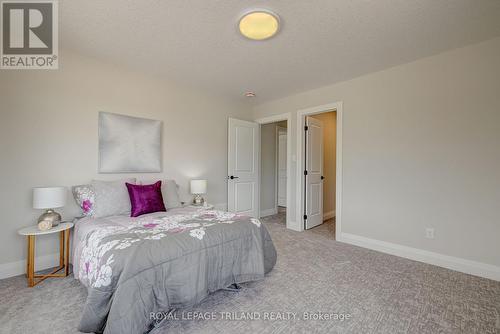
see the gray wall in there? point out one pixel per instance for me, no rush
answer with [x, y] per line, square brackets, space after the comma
[421, 147]
[48, 136]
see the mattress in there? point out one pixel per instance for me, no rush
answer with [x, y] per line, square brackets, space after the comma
[134, 267]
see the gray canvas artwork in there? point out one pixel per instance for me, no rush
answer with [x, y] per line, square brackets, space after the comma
[129, 144]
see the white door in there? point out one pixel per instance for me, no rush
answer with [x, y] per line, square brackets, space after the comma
[314, 168]
[281, 168]
[243, 167]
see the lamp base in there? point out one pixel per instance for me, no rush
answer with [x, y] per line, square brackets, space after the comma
[198, 200]
[51, 216]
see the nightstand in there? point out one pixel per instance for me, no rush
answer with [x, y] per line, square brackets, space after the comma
[33, 231]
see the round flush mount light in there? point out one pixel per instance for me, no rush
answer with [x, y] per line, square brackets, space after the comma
[259, 24]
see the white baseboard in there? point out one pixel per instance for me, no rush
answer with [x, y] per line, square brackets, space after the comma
[293, 226]
[446, 261]
[19, 267]
[268, 212]
[328, 215]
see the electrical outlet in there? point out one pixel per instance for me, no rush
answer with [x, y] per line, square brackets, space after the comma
[429, 233]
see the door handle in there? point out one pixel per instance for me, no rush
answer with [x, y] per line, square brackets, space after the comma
[322, 177]
[233, 177]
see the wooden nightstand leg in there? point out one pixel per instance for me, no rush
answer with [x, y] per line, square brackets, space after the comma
[27, 258]
[61, 248]
[31, 261]
[66, 253]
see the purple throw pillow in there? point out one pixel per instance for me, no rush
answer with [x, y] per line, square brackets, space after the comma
[145, 198]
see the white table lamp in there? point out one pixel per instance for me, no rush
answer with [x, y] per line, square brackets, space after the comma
[49, 198]
[198, 188]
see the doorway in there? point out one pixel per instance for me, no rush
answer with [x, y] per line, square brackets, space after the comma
[273, 168]
[275, 171]
[320, 161]
[245, 172]
[319, 168]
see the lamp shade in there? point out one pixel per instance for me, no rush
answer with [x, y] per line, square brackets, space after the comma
[49, 198]
[198, 186]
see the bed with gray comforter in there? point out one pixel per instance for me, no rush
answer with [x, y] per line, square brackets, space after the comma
[157, 262]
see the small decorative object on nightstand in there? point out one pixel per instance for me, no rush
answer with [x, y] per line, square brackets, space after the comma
[49, 199]
[44, 225]
[208, 206]
[198, 188]
[31, 232]
[205, 206]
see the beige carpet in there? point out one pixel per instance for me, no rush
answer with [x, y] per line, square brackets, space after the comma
[314, 273]
[327, 229]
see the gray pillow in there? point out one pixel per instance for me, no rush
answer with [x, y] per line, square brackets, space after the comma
[111, 197]
[170, 193]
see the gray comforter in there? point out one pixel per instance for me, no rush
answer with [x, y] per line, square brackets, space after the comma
[135, 266]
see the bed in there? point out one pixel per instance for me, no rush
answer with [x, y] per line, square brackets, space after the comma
[133, 267]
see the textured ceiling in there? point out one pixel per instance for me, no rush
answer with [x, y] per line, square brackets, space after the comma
[195, 42]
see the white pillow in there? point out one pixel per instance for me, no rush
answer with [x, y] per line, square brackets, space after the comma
[111, 197]
[85, 198]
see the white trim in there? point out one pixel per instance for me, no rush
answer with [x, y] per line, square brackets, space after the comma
[328, 215]
[11, 269]
[293, 226]
[288, 118]
[339, 190]
[336, 106]
[268, 212]
[274, 118]
[446, 261]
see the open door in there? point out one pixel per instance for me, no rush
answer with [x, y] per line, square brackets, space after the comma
[243, 167]
[313, 173]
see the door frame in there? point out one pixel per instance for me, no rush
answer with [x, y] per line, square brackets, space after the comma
[276, 181]
[273, 119]
[299, 205]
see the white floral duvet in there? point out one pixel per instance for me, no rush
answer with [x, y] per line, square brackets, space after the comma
[134, 266]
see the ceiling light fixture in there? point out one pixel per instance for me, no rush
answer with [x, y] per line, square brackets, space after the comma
[259, 24]
[250, 94]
